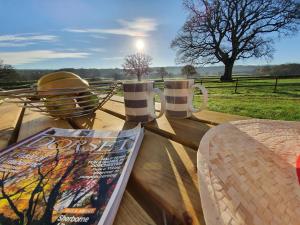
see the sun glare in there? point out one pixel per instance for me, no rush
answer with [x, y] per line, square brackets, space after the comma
[140, 45]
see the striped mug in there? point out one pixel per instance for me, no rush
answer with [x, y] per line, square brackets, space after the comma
[179, 98]
[139, 101]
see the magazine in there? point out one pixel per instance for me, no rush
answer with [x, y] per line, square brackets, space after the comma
[66, 176]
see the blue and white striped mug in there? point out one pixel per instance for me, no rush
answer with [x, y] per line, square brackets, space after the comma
[139, 101]
[179, 98]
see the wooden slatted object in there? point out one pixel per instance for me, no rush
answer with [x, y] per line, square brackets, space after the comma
[10, 114]
[164, 169]
[34, 122]
[184, 131]
[129, 212]
[216, 118]
[205, 116]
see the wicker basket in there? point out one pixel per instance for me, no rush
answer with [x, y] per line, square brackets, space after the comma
[63, 103]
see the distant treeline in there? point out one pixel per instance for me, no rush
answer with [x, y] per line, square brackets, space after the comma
[280, 70]
[10, 74]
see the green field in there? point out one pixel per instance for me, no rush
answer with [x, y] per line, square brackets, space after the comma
[257, 102]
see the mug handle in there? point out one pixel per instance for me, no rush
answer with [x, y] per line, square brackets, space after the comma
[162, 102]
[205, 98]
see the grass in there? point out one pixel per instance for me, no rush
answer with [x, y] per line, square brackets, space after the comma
[258, 107]
[257, 102]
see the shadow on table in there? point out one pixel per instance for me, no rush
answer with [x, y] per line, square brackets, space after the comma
[186, 166]
[164, 180]
[184, 131]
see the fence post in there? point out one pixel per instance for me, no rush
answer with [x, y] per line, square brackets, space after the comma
[275, 88]
[236, 85]
[201, 81]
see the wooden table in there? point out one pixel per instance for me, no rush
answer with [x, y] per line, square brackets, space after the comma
[163, 187]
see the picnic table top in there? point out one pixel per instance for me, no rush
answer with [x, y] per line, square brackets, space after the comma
[163, 187]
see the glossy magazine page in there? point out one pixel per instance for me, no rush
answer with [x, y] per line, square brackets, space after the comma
[65, 176]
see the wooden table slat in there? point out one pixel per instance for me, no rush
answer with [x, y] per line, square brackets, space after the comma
[9, 117]
[184, 131]
[164, 169]
[34, 122]
[205, 116]
[216, 118]
[130, 212]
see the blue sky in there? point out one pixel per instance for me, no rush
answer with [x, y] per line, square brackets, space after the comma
[98, 34]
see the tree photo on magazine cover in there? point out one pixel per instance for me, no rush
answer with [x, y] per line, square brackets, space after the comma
[63, 185]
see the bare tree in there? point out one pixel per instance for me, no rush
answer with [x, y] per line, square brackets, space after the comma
[38, 192]
[137, 64]
[162, 72]
[189, 71]
[229, 30]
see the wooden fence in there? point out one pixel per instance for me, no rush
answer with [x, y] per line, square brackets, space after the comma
[247, 82]
[209, 82]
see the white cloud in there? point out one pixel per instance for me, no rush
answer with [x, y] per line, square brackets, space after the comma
[139, 27]
[23, 57]
[14, 44]
[20, 38]
[97, 36]
[97, 49]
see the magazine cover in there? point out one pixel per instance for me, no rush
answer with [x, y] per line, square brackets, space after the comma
[65, 176]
